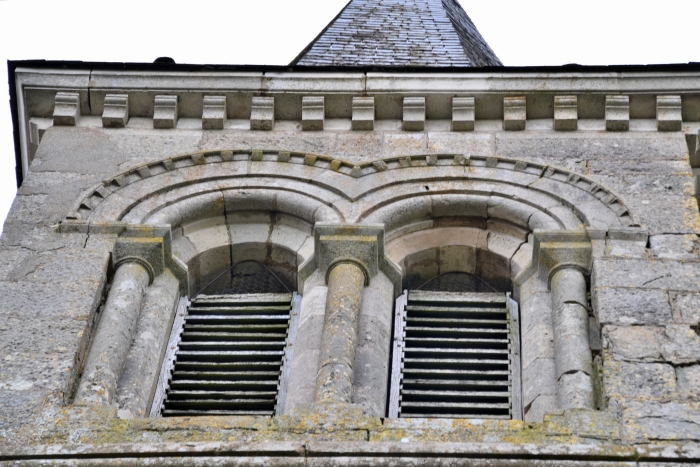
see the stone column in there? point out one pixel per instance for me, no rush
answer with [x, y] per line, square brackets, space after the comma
[115, 330]
[572, 353]
[335, 378]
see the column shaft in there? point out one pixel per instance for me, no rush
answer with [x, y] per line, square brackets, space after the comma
[340, 328]
[572, 352]
[112, 339]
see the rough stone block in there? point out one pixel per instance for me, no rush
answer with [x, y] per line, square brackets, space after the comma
[116, 111]
[66, 110]
[165, 112]
[514, 113]
[646, 274]
[313, 113]
[682, 345]
[463, 114]
[686, 307]
[541, 406]
[631, 306]
[536, 343]
[657, 421]
[262, 113]
[617, 113]
[675, 246]
[668, 113]
[538, 380]
[565, 113]
[213, 112]
[634, 343]
[688, 378]
[363, 113]
[648, 381]
[414, 113]
[626, 247]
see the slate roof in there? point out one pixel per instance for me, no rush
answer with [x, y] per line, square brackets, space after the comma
[435, 33]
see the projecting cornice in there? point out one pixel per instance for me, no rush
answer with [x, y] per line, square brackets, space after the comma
[260, 101]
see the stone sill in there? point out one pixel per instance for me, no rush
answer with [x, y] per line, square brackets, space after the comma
[331, 453]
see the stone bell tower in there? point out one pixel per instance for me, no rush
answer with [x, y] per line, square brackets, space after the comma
[393, 251]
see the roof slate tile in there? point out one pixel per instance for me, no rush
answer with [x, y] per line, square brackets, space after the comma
[400, 33]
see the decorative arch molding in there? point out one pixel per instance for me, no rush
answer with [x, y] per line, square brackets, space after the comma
[356, 193]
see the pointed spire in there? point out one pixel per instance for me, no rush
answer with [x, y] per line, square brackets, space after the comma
[436, 33]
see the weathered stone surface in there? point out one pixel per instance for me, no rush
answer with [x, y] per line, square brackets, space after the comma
[686, 307]
[675, 246]
[658, 421]
[339, 341]
[644, 381]
[631, 306]
[112, 339]
[688, 378]
[634, 273]
[138, 379]
[634, 343]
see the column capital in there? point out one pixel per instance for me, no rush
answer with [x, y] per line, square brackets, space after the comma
[362, 245]
[145, 246]
[557, 250]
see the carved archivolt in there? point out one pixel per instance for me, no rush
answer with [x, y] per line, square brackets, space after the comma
[389, 191]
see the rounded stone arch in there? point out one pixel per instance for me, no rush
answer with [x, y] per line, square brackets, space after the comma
[203, 193]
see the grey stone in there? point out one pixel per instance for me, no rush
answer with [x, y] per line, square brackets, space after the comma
[137, 381]
[340, 334]
[617, 113]
[112, 339]
[313, 113]
[678, 247]
[643, 381]
[631, 306]
[634, 343]
[514, 113]
[686, 307]
[262, 113]
[645, 275]
[688, 381]
[66, 110]
[414, 113]
[463, 114]
[668, 113]
[214, 112]
[116, 111]
[565, 113]
[165, 113]
[363, 113]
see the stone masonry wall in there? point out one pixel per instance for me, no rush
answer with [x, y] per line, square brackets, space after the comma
[645, 291]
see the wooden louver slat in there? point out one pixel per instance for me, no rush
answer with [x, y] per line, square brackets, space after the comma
[229, 356]
[456, 355]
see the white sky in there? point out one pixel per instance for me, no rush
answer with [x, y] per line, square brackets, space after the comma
[273, 32]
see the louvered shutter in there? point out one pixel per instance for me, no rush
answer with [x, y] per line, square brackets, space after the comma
[455, 355]
[229, 356]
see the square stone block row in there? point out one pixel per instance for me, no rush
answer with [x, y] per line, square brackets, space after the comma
[262, 117]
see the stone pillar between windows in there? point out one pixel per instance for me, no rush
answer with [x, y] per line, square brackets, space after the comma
[572, 354]
[138, 259]
[335, 378]
[349, 258]
[115, 330]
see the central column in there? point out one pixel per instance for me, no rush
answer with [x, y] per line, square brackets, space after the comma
[572, 352]
[335, 378]
[113, 336]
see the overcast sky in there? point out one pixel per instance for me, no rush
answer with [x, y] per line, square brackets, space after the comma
[521, 32]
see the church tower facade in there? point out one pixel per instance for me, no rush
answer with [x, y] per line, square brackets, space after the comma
[393, 251]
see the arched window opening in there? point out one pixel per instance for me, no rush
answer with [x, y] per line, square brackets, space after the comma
[456, 350]
[231, 344]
